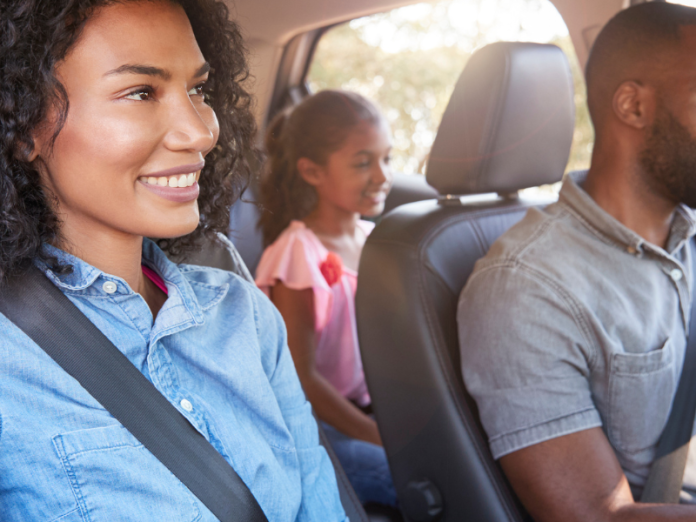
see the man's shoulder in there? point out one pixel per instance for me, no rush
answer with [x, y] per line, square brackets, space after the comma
[544, 240]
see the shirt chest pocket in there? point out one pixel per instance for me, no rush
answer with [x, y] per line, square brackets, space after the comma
[641, 389]
[115, 478]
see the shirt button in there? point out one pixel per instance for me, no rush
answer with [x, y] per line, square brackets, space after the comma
[631, 250]
[186, 405]
[676, 274]
[109, 287]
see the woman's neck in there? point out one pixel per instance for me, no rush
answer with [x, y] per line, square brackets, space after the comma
[114, 253]
[118, 254]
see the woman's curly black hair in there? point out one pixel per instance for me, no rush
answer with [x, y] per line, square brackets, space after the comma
[35, 35]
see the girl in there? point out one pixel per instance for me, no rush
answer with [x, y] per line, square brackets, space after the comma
[328, 165]
[121, 121]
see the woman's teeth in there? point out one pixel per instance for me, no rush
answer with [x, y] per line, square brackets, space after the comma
[183, 180]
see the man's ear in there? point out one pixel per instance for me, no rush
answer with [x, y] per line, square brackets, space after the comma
[311, 172]
[634, 104]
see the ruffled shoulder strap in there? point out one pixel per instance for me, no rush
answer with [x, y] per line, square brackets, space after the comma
[296, 258]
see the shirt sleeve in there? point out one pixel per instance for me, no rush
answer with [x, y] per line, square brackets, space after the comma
[320, 497]
[526, 356]
[295, 259]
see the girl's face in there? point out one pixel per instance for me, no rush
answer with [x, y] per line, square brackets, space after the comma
[129, 155]
[357, 177]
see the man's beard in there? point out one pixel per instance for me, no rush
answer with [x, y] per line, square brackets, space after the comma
[669, 159]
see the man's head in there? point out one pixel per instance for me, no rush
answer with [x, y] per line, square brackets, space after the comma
[641, 80]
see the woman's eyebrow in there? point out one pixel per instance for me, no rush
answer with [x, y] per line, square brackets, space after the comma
[203, 69]
[147, 70]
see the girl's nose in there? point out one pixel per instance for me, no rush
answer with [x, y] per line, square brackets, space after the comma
[382, 174]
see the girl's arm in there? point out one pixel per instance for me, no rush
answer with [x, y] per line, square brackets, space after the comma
[297, 309]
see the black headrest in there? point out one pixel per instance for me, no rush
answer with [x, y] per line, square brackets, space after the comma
[509, 124]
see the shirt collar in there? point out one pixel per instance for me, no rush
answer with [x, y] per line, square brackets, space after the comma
[86, 278]
[582, 205]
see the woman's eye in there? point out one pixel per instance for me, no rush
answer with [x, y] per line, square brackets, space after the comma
[141, 94]
[196, 91]
[362, 165]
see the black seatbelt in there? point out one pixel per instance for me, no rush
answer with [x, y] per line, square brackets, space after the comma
[53, 322]
[666, 476]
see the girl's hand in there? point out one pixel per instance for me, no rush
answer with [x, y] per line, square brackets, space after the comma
[297, 309]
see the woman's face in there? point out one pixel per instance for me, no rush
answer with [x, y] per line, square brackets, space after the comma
[358, 176]
[132, 148]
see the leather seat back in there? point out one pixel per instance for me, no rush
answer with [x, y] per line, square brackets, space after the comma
[508, 126]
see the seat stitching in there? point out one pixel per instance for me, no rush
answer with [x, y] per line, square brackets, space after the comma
[492, 473]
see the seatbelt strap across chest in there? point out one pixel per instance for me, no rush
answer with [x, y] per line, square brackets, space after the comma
[53, 322]
[664, 483]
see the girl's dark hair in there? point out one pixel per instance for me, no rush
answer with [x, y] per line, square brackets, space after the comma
[37, 34]
[314, 129]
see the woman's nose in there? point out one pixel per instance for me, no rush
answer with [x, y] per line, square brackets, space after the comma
[189, 129]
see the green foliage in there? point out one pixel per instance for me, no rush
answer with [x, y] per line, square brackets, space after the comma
[409, 66]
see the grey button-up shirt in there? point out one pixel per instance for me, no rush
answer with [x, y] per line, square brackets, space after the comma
[573, 321]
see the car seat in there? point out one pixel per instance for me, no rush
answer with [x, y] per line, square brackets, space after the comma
[508, 126]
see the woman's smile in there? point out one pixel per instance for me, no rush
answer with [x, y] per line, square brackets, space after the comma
[177, 184]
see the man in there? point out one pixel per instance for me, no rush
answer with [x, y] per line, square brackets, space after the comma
[573, 327]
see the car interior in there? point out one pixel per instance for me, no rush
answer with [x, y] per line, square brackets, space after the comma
[508, 127]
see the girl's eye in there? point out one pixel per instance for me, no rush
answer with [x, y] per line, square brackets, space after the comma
[196, 91]
[140, 94]
[362, 165]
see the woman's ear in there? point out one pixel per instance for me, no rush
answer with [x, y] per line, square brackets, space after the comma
[26, 151]
[310, 171]
[31, 153]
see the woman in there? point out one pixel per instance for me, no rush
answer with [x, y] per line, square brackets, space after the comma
[122, 121]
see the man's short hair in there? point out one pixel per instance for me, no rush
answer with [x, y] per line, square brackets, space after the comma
[633, 42]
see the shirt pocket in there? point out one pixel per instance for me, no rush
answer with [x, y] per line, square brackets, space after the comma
[641, 389]
[115, 478]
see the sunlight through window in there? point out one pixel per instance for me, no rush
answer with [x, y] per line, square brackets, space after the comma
[408, 61]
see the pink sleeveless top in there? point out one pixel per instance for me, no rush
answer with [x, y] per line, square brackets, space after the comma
[300, 261]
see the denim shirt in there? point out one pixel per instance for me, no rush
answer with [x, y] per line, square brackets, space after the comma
[573, 321]
[217, 351]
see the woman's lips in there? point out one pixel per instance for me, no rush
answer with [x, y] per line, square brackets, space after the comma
[178, 184]
[175, 194]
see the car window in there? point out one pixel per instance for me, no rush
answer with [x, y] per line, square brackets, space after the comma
[690, 3]
[408, 61]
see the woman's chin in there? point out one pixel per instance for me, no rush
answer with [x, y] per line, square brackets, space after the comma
[172, 229]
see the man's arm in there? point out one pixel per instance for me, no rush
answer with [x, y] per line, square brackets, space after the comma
[577, 477]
